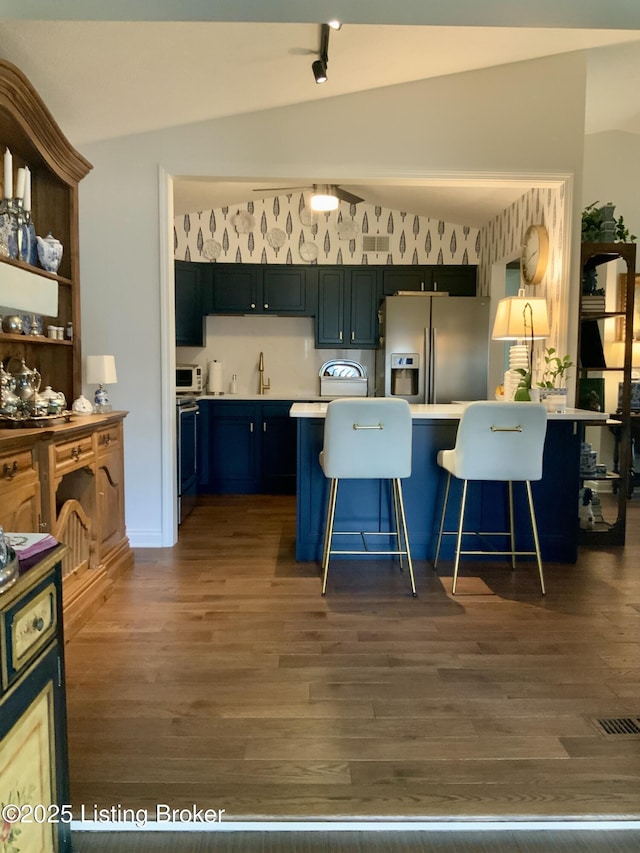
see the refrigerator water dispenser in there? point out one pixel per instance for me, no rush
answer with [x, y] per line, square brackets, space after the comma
[404, 374]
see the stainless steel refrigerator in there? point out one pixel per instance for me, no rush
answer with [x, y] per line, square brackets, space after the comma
[434, 348]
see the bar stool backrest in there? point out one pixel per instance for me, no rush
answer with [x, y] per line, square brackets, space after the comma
[499, 441]
[367, 438]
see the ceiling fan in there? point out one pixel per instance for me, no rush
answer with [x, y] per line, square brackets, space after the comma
[324, 196]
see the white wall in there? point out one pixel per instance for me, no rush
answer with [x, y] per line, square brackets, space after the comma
[523, 119]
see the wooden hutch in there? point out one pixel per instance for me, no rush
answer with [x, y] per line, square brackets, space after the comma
[64, 478]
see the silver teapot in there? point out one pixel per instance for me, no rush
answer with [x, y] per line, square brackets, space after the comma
[27, 381]
[9, 401]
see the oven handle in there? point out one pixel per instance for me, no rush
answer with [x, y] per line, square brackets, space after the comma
[183, 410]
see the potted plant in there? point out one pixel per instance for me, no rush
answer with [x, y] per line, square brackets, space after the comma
[553, 389]
[600, 225]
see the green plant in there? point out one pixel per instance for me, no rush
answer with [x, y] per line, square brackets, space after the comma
[592, 221]
[556, 369]
[524, 385]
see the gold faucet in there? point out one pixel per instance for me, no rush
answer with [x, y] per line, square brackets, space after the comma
[262, 385]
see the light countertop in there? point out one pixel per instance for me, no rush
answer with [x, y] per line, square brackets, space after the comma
[444, 411]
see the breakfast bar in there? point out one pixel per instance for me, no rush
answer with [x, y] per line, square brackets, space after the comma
[366, 504]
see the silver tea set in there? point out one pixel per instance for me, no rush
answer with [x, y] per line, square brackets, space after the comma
[20, 395]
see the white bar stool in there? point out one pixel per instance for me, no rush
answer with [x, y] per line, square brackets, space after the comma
[495, 441]
[368, 439]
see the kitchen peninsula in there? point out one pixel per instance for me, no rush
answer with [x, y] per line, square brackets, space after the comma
[434, 428]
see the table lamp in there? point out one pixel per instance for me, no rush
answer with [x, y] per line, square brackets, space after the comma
[520, 318]
[101, 370]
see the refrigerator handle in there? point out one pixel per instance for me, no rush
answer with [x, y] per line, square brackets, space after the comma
[434, 371]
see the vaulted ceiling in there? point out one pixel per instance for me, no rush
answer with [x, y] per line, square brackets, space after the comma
[143, 66]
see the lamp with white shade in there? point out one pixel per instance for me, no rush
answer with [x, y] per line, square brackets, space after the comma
[101, 371]
[522, 319]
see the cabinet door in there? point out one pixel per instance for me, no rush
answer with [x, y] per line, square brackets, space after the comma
[110, 486]
[284, 290]
[236, 289]
[455, 279]
[20, 507]
[189, 300]
[233, 448]
[278, 469]
[405, 278]
[363, 300]
[33, 755]
[331, 307]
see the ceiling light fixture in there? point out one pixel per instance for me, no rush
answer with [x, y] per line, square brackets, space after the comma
[319, 66]
[319, 71]
[324, 197]
[335, 25]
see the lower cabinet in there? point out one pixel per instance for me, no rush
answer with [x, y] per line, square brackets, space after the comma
[246, 447]
[34, 778]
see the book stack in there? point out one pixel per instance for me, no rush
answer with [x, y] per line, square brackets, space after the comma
[593, 304]
[30, 547]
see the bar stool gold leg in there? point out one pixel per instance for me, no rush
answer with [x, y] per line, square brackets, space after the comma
[398, 486]
[444, 510]
[511, 527]
[328, 533]
[463, 504]
[399, 546]
[535, 535]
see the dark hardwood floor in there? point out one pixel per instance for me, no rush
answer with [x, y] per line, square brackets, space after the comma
[217, 675]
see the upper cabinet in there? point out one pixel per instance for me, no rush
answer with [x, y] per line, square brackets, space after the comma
[35, 141]
[192, 292]
[257, 289]
[454, 279]
[348, 300]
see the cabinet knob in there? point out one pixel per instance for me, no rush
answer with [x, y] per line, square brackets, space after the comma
[266, 305]
[10, 471]
[253, 305]
[38, 623]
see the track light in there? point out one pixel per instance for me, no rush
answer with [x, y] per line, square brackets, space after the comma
[319, 71]
[319, 66]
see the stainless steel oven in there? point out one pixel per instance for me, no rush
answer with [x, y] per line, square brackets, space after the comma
[187, 437]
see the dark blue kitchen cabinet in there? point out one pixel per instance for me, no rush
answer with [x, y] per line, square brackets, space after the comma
[260, 289]
[284, 289]
[348, 301]
[236, 289]
[246, 447]
[192, 287]
[454, 279]
[278, 449]
[405, 278]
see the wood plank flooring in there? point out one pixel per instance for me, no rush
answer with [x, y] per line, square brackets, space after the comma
[217, 675]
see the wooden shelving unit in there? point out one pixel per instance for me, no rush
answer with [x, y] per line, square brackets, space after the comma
[592, 257]
[31, 133]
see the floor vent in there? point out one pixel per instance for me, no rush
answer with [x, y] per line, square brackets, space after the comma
[375, 244]
[620, 725]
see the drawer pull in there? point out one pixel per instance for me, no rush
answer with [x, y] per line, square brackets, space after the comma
[106, 439]
[38, 623]
[76, 451]
[10, 471]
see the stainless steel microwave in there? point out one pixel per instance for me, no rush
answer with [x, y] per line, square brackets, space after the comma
[189, 378]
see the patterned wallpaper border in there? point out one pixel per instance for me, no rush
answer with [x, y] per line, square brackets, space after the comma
[283, 230]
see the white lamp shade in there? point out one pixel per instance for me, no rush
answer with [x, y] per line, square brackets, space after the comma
[517, 316]
[101, 370]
